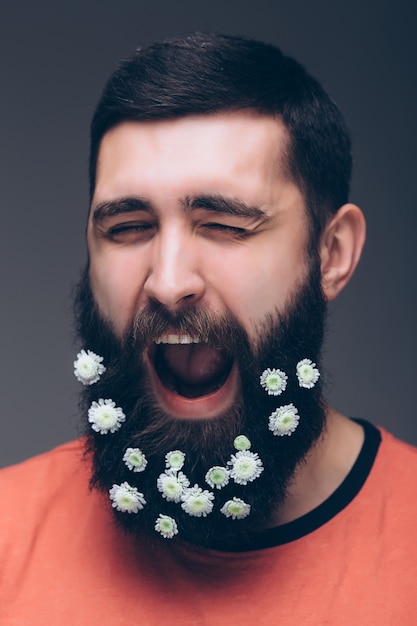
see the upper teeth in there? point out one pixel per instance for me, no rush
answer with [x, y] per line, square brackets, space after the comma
[177, 339]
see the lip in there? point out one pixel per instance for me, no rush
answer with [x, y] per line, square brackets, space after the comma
[203, 407]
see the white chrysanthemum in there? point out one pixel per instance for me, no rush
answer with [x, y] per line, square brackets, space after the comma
[307, 373]
[242, 443]
[135, 459]
[126, 498]
[274, 381]
[166, 525]
[235, 508]
[104, 416]
[88, 367]
[246, 466]
[217, 477]
[284, 420]
[175, 459]
[172, 484]
[197, 502]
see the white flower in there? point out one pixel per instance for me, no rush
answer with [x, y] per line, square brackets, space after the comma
[307, 373]
[197, 502]
[88, 367]
[105, 416]
[217, 477]
[135, 459]
[172, 484]
[274, 381]
[235, 508]
[242, 443]
[126, 498]
[284, 420]
[175, 459]
[166, 525]
[246, 466]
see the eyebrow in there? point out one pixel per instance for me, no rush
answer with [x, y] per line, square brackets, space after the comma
[211, 203]
[112, 208]
[220, 204]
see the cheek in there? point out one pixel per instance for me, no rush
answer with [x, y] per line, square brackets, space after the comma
[252, 289]
[115, 288]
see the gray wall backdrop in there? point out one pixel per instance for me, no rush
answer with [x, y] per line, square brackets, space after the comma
[55, 57]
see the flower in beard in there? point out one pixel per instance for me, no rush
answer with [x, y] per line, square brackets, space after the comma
[126, 498]
[88, 367]
[246, 467]
[135, 459]
[241, 442]
[197, 502]
[171, 484]
[274, 381]
[217, 477]
[235, 508]
[166, 526]
[174, 459]
[284, 420]
[307, 373]
[104, 416]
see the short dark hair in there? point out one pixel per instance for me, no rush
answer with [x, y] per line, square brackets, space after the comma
[202, 74]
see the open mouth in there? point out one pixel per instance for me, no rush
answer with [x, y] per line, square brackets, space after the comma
[189, 367]
[191, 378]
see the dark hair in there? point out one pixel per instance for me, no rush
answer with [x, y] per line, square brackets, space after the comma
[203, 74]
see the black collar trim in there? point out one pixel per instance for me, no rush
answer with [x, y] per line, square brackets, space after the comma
[335, 503]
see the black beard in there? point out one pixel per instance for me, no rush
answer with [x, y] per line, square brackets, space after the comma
[282, 341]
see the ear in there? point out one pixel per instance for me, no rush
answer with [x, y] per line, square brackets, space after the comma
[340, 248]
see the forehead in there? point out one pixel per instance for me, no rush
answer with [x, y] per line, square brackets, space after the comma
[202, 153]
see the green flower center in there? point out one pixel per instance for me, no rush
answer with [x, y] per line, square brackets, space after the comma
[242, 443]
[176, 460]
[235, 508]
[217, 476]
[245, 467]
[274, 382]
[172, 487]
[198, 503]
[107, 416]
[307, 373]
[136, 459]
[166, 525]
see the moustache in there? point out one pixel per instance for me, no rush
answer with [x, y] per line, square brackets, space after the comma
[219, 331]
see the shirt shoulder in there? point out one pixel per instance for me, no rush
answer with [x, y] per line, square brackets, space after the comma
[396, 450]
[61, 459]
[29, 489]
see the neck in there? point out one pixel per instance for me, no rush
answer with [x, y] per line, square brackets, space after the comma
[326, 467]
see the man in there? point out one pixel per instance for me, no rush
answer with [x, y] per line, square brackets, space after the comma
[213, 484]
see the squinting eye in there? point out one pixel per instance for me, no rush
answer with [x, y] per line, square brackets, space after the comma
[130, 232]
[226, 228]
[129, 227]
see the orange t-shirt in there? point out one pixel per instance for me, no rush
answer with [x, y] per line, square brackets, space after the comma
[63, 562]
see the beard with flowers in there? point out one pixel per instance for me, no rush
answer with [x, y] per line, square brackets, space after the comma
[283, 339]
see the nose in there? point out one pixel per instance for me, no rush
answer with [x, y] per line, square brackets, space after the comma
[174, 278]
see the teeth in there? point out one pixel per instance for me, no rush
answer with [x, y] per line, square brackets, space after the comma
[177, 339]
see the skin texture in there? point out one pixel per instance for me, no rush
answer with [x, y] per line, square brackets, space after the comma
[163, 227]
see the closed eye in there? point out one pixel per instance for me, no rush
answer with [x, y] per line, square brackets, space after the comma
[130, 232]
[225, 229]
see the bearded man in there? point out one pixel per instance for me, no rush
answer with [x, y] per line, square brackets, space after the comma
[213, 484]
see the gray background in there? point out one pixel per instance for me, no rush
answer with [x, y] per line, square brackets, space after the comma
[55, 57]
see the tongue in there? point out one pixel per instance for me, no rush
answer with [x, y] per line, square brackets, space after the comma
[195, 364]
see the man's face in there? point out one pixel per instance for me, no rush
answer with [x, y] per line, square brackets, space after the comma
[196, 211]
